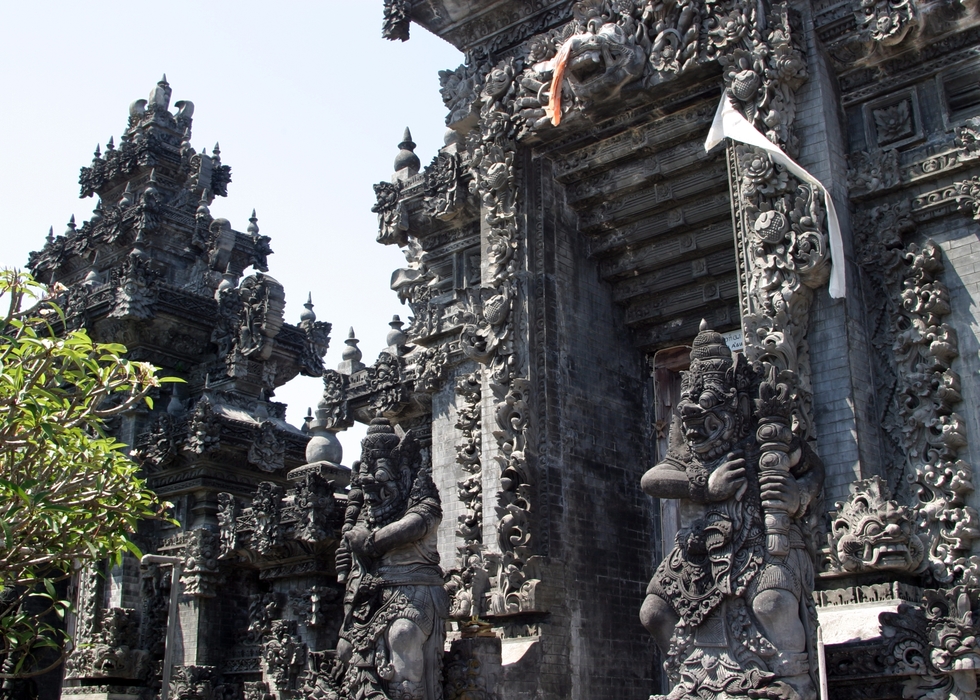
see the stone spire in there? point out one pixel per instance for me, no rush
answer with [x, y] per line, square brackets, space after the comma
[396, 336]
[351, 356]
[307, 317]
[407, 163]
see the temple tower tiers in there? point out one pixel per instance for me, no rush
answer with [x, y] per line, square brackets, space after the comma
[774, 333]
[259, 503]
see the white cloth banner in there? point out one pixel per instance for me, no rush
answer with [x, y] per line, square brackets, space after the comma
[729, 123]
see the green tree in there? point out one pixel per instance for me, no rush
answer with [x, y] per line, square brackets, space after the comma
[69, 494]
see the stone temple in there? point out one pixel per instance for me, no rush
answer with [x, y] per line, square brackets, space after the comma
[687, 405]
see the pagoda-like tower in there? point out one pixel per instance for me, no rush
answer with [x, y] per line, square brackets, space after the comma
[257, 514]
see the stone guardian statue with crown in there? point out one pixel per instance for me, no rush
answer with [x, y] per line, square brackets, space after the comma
[395, 605]
[730, 606]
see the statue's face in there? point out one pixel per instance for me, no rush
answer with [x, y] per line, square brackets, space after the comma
[601, 63]
[877, 539]
[709, 417]
[380, 485]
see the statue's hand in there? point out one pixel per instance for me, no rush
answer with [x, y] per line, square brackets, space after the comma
[359, 540]
[779, 491]
[728, 479]
[343, 560]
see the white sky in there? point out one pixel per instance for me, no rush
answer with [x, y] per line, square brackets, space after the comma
[306, 99]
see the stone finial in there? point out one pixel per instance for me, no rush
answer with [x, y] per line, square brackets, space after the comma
[228, 282]
[406, 160]
[151, 187]
[216, 152]
[139, 251]
[160, 95]
[71, 225]
[203, 211]
[176, 406]
[307, 317]
[352, 352]
[351, 356]
[253, 222]
[396, 336]
[97, 212]
[98, 152]
[50, 237]
[127, 197]
[110, 145]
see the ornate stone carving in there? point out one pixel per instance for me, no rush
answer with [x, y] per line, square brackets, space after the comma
[257, 690]
[488, 337]
[893, 122]
[159, 448]
[916, 347]
[385, 383]
[414, 285]
[114, 652]
[284, 654]
[317, 341]
[954, 652]
[263, 609]
[968, 196]
[266, 513]
[154, 596]
[261, 250]
[464, 678]
[200, 575]
[325, 678]
[263, 300]
[267, 451]
[887, 22]
[192, 683]
[117, 653]
[227, 525]
[870, 172]
[598, 60]
[314, 605]
[333, 404]
[392, 214]
[204, 430]
[677, 26]
[871, 533]
[900, 651]
[431, 365]
[469, 580]
[513, 500]
[394, 604]
[444, 196]
[787, 257]
[135, 284]
[730, 606]
[315, 508]
[397, 20]
[763, 67]
[460, 91]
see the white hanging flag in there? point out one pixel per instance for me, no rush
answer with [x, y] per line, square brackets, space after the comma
[729, 123]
